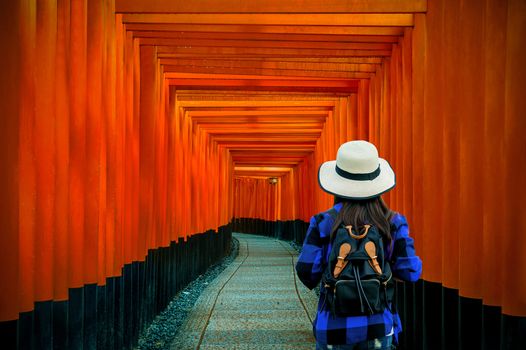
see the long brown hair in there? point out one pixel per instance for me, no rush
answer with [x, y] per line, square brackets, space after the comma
[372, 211]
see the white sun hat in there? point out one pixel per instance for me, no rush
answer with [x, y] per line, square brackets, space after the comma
[357, 172]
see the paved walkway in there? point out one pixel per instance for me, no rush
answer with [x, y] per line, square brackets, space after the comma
[256, 303]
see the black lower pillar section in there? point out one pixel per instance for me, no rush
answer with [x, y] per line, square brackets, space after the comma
[102, 314]
[292, 230]
[8, 334]
[491, 327]
[278, 229]
[43, 325]
[450, 319]
[76, 318]
[417, 337]
[432, 325]
[26, 331]
[127, 313]
[470, 313]
[435, 317]
[118, 307]
[513, 332]
[407, 312]
[60, 325]
[109, 314]
[90, 316]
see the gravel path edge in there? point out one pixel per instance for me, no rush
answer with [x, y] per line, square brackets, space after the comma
[163, 330]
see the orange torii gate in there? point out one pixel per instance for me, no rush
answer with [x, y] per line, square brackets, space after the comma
[130, 126]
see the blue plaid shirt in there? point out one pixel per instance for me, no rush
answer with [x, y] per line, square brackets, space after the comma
[330, 329]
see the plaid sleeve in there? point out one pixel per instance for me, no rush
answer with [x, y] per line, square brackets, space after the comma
[406, 265]
[310, 265]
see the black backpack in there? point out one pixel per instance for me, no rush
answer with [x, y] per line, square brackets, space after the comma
[358, 279]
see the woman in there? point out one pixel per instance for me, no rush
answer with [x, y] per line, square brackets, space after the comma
[357, 179]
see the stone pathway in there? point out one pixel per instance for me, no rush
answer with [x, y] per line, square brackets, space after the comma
[256, 303]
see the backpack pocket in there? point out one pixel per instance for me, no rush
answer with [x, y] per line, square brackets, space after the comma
[356, 299]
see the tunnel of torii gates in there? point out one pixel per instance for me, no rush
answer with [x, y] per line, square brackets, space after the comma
[136, 135]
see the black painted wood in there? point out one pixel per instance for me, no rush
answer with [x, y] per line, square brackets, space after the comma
[402, 309]
[293, 230]
[8, 331]
[76, 318]
[450, 319]
[60, 325]
[409, 320]
[135, 310]
[101, 336]
[110, 313]
[43, 325]
[491, 327]
[418, 315]
[147, 289]
[164, 275]
[118, 312]
[470, 323]
[127, 318]
[513, 331]
[26, 331]
[90, 316]
[432, 325]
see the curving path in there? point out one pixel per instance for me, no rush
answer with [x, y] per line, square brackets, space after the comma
[256, 303]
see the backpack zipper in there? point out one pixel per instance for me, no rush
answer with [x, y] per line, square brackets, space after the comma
[385, 283]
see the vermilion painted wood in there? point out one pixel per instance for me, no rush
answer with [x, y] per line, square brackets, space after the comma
[77, 144]
[257, 36]
[418, 49]
[14, 157]
[269, 72]
[248, 43]
[44, 150]
[22, 234]
[513, 299]
[280, 29]
[275, 103]
[268, 52]
[451, 137]
[267, 64]
[470, 244]
[322, 85]
[62, 133]
[272, 6]
[94, 177]
[317, 19]
[494, 130]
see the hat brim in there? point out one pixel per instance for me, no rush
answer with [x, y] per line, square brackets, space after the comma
[339, 186]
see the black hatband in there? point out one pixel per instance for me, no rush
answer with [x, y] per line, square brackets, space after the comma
[358, 177]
